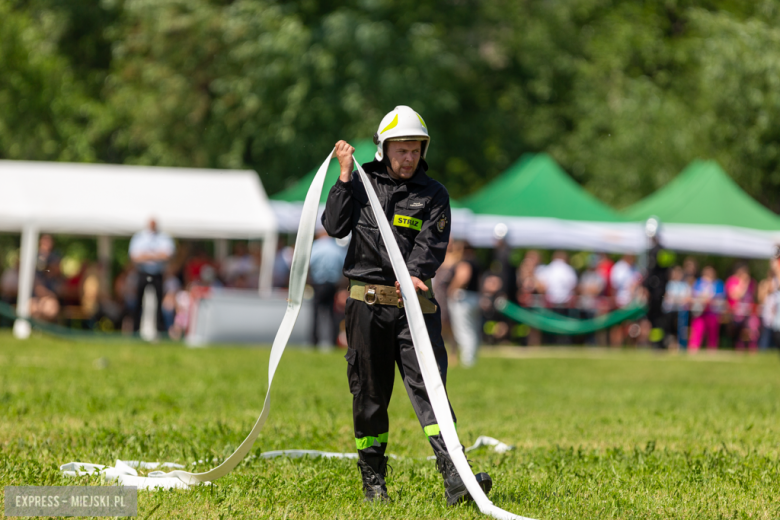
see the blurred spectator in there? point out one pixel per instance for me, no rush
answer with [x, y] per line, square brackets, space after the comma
[150, 250]
[658, 262]
[237, 269]
[676, 302]
[441, 284]
[48, 285]
[690, 271]
[528, 285]
[707, 296]
[340, 308]
[624, 278]
[529, 292]
[195, 263]
[171, 287]
[181, 321]
[282, 264]
[9, 281]
[604, 268]
[496, 326]
[740, 297]
[44, 304]
[208, 277]
[125, 289]
[327, 262]
[55, 283]
[256, 251]
[591, 286]
[47, 255]
[774, 315]
[502, 264]
[463, 300]
[767, 290]
[559, 281]
[91, 292]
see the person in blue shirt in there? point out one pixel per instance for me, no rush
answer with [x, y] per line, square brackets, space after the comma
[150, 250]
[327, 260]
[707, 302]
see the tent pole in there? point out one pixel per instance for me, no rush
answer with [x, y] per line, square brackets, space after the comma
[267, 265]
[29, 252]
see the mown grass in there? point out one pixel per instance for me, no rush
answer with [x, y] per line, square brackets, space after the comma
[624, 435]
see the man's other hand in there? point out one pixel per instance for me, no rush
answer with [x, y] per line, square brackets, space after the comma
[344, 153]
[419, 285]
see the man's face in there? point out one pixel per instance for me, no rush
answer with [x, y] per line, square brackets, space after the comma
[403, 157]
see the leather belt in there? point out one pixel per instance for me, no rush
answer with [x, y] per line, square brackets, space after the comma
[373, 294]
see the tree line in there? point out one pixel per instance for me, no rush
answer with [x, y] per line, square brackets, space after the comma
[622, 93]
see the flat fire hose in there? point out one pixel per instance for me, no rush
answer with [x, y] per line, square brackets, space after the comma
[422, 345]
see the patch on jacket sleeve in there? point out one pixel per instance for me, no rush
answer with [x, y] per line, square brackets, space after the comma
[441, 225]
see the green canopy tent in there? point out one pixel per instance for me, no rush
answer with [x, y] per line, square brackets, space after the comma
[704, 210]
[541, 206]
[287, 204]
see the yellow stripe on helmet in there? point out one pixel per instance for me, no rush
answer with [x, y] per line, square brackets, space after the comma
[392, 125]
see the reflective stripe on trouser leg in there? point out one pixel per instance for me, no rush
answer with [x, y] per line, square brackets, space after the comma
[433, 429]
[368, 442]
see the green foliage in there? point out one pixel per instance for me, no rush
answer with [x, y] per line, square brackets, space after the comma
[625, 435]
[44, 108]
[622, 93]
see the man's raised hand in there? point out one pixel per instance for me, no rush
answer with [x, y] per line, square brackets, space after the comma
[344, 153]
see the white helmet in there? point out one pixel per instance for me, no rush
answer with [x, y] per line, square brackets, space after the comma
[402, 124]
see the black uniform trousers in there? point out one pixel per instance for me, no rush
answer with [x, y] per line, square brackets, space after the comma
[657, 318]
[379, 338]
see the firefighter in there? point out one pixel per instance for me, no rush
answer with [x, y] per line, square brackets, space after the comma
[418, 209]
[656, 277]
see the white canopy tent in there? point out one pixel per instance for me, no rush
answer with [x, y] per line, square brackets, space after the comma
[116, 200]
[553, 233]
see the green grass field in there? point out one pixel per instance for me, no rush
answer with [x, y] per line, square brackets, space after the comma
[597, 435]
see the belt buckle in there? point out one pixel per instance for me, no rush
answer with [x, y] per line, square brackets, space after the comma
[370, 291]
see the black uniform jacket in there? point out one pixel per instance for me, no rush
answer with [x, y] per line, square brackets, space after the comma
[418, 211]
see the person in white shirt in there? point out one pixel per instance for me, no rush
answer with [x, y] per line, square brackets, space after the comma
[558, 280]
[624, 278]
[150, 251]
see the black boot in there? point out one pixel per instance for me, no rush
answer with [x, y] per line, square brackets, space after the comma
[454, 488]
[373, 469]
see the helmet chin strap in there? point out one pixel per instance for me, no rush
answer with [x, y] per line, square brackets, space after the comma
[386, 161]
